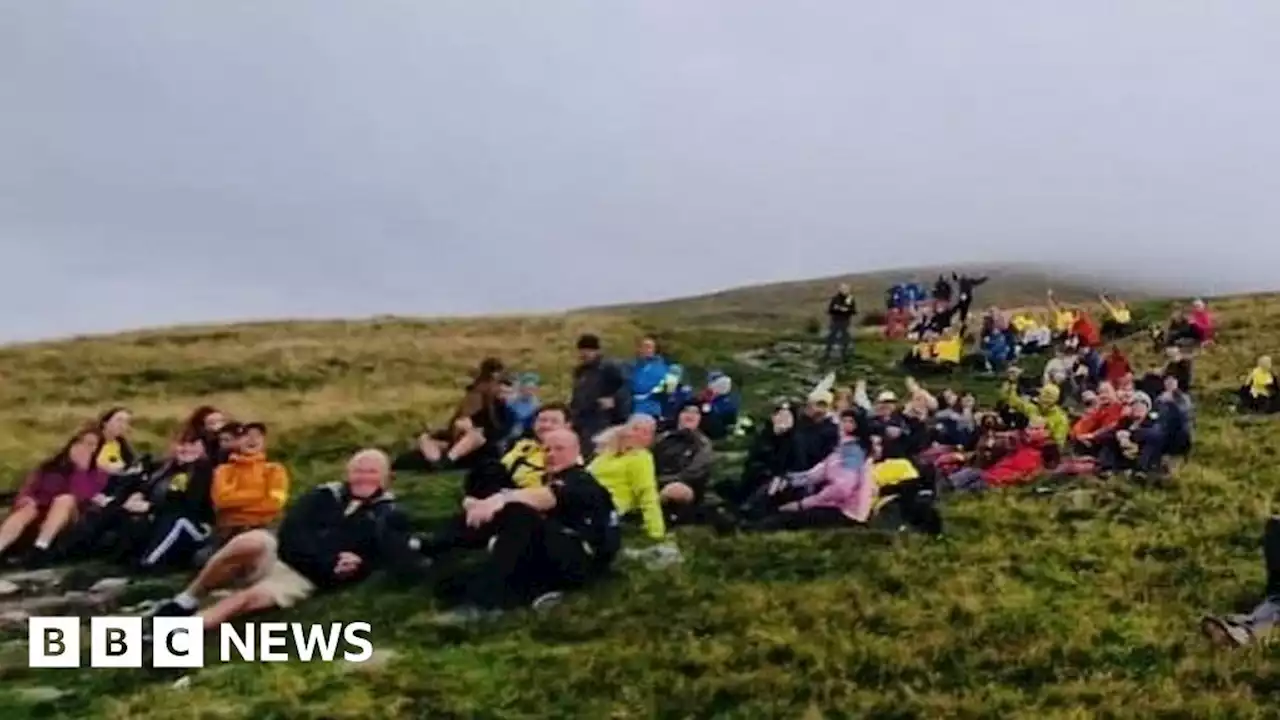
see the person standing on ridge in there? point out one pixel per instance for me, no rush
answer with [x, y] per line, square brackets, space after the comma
[965, 286]
[840, 312]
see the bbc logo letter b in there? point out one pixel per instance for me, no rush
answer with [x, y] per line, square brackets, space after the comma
[53, 642]
[115, 642]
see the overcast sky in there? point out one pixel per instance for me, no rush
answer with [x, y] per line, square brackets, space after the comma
[165, 162]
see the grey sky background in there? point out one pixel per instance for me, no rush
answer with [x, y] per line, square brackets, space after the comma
[165, 162]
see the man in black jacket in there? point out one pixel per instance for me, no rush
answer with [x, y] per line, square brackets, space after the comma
[336, 535]
[682, 459]
[840, 312]
[541, 540]
[601, 398]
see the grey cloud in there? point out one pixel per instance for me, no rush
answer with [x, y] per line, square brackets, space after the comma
[200, 161]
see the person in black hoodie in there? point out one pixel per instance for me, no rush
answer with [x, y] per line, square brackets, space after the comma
[840, 312]
[180, 505]
[773, 454]
[541, 541]
[601, 396]
[817, 434]
[942, 290]
[335, 536]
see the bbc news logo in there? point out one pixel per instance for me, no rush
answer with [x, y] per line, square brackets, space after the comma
[179, 642]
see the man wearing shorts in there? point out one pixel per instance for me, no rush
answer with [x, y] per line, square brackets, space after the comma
[336, 535]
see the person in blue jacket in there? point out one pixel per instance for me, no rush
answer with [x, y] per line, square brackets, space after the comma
[648, 378]
[676, 393]
[896, 297]
[997, 351]
[720, 406]
[524, 404]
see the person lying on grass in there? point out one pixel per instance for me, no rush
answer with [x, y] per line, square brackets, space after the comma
[335, 536]
[541, 541]
[53, 496]
[1240, 630]
[624, 466]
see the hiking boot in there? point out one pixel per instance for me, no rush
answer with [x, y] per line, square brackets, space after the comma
[1225, 631]
[466, 615]
[169, 608]
[547, 601]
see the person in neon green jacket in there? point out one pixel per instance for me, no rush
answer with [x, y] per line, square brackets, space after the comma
[1046, 406]
[624, 466]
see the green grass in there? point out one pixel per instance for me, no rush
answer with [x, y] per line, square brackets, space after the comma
[1078, 604]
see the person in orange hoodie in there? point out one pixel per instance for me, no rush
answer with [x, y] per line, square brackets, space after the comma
[248, 491]
[1091, 429]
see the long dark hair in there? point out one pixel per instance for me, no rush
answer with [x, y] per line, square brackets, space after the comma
[194, 429]
[484, 392]
[126, 450]
[61, 463]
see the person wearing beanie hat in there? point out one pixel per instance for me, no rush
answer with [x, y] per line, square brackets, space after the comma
[1046, 407]
[601, 395]
[720, 406]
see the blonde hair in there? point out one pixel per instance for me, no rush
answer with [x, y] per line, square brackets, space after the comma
[612, 438]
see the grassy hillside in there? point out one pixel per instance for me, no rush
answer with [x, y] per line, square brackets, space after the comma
[1077, 604]
[789, 305]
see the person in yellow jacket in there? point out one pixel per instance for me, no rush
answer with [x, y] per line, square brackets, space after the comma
[1259, 393]
[948, 349]
[526, 461]
[1119, 318]
[1046, 407]
[624, 466]
[248, 491]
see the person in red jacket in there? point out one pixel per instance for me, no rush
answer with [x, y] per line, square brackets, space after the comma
[1024, 463]
[1116, 366]
[1201, 321]
[1086, 330]
[1090, 430]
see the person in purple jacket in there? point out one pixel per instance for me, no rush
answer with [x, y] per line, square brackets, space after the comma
[54, 494]
[837, 492]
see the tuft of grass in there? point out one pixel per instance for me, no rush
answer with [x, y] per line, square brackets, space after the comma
[1077, 604]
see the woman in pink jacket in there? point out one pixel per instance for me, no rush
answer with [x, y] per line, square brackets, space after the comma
[54, 494]
[837, 492]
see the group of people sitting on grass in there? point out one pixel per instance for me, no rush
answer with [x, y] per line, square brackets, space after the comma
[543, 505]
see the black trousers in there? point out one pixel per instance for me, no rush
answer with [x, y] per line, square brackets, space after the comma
[174, 541]
[1271, 552]
[529, 555]
[108, 533]
[807, 519]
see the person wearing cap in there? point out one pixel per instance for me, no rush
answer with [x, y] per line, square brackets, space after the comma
[682, 459]
[1045, 407]
[1139, 442]
[647, 377]
[601, 396]
[816, 435]
[840, 311]
[248, 491]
